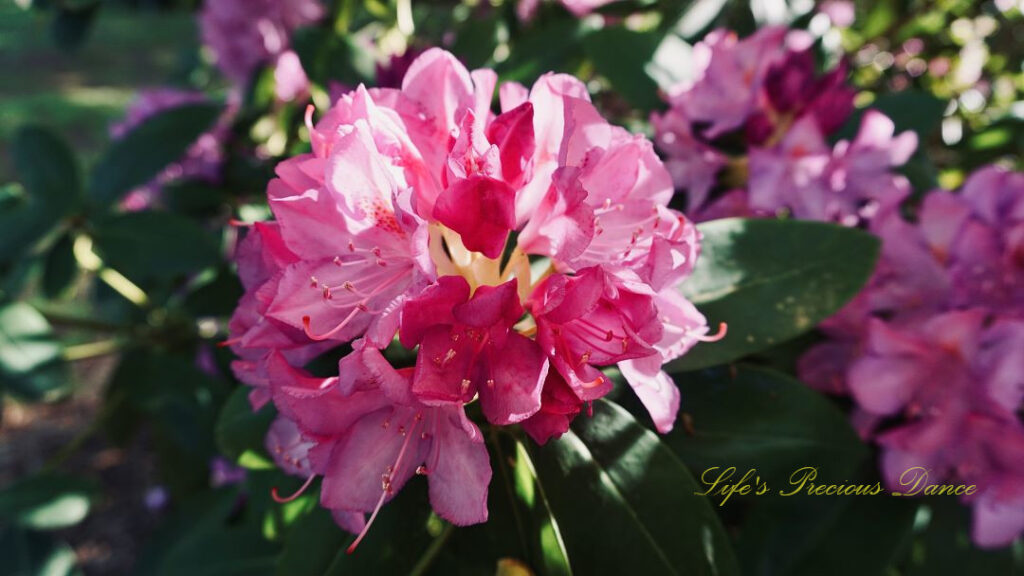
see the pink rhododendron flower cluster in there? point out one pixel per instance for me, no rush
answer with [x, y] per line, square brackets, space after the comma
[526, 9]
[932, 351]
[765, 91]
[203, 159]
[518, 253]
[247, 34]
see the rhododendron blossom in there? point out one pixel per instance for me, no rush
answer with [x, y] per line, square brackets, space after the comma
[246, 34]
[932, 351]
[766, 88]
[518, 253]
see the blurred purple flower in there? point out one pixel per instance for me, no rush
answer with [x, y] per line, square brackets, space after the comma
[203, 159]
[247, 34]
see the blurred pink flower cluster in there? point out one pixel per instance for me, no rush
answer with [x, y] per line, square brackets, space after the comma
[203, 159]
[518, 253]
[932, 351]
[247, 34]
[763, 95]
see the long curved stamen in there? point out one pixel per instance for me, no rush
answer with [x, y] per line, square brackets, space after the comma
[229, 342]
[723, 328]
[386, 485]
[318, 337]
[282, 500]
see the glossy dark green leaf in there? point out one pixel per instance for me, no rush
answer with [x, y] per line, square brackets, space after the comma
[758, 419]
[144, 152]
[27, 553]
[47, 502]
[621, 55]
[311, 543]
[625, 504]
[154, 245]
[546, 548]
[59, 268]
[404, 538]
[836, 535]
[772, 280]
[240, 430]
[50, 187]
[479, 548]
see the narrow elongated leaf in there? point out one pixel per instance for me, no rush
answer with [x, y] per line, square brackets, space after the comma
[27, 553]
[772, 280]
[60, 267]
[625, 504]
[145, 151]
[154, 245]
[758, 419]
[47, 502]
[547, 547]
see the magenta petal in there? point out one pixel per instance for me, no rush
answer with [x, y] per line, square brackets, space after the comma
[654, 388]
[288, 448]
[351, 522]
[444, 367]
[370, 450]
[459, 480]
[481, 210]
[490, 306]
[511, 392]
[512, 133]
[997, 522]
[316, 404]
[432, 307]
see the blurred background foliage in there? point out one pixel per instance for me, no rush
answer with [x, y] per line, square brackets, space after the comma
[127, 447]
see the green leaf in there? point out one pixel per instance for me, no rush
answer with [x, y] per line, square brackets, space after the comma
[239, 429]
[26, 340]
[625, 504]
[27, 553]
[913, 110]
[754, 418]
[72, 24]
[836, 535]
[546, 546]
[772, 280]
[154, 245]
[327, 56]
[49, 190]
[403, 535]
[47, 502]
[60, 267]
[311, 543]
[144, 152]
[621, 55]
[944, 547]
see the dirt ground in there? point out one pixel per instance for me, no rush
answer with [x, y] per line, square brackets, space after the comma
[107, 542]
